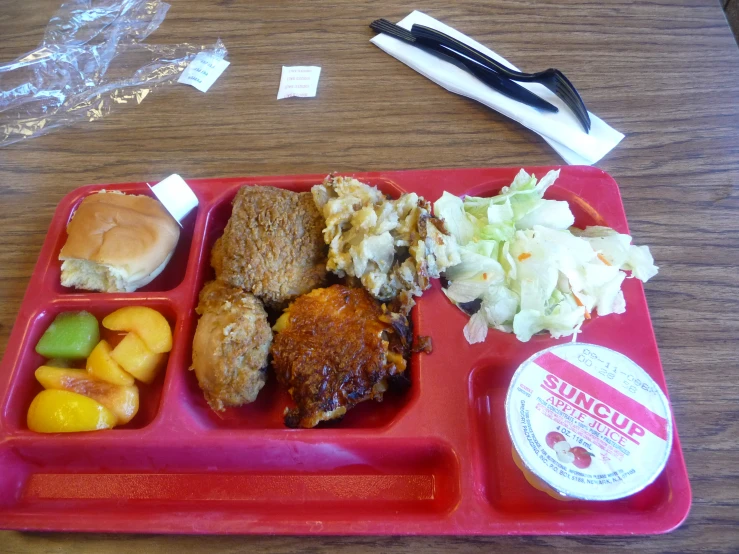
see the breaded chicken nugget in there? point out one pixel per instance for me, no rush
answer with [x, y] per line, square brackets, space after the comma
[231, 346]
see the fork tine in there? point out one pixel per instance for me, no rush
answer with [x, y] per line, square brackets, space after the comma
[565, 95]
[572, 102]
[572, 93]
[579, 106]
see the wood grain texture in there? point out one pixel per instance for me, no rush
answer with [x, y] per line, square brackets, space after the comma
[664, 73]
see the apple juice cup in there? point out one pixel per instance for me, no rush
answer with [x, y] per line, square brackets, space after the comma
[587, 423]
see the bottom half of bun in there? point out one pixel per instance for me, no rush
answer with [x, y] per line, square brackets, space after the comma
[88, 275]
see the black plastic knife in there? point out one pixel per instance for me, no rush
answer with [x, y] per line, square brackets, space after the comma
[486, 75]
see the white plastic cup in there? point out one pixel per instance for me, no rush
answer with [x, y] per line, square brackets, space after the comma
[176, 195]
[588, 422]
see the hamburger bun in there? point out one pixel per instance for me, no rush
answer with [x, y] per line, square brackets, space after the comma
[117, 242]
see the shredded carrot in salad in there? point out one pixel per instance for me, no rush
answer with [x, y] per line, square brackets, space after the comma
[602, 258]
[579, 303]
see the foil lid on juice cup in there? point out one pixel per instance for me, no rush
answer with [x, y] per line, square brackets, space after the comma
[176, 195]
[588, 421]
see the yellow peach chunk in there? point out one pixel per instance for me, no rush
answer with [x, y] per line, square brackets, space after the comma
[102, 366]
[134, 356]
[151, 326]
[122, 400]
[61, 411]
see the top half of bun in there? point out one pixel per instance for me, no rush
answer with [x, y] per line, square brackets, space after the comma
[135, 233]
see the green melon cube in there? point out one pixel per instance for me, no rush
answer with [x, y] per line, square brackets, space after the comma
[72, 335]
[60, 363]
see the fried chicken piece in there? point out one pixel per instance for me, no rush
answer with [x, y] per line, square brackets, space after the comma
[336, 347]
[231, 346]
[273, 245]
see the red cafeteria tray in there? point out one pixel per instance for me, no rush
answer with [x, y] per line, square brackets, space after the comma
[435, 460]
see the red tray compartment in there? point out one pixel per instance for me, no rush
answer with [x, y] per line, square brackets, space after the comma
[433, 460]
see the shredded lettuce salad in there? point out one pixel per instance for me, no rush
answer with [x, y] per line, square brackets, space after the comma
[525, 269]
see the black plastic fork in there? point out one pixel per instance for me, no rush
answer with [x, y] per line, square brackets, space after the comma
[553, 79]
[490, 77]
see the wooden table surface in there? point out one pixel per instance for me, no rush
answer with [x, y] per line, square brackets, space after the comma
[664, 73]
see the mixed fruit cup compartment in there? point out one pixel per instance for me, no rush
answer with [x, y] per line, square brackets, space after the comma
[95, 371]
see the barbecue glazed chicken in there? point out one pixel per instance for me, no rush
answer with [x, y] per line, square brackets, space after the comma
[336, 347]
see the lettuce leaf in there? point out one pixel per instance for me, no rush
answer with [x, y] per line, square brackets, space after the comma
[460, 225]
[532, 270]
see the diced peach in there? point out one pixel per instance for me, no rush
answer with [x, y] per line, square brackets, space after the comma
[61, 411]
[122, 400]
[100, 364]
[112, 337]
[151, 326]
[134, 356]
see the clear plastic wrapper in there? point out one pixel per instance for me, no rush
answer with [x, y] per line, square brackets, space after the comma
[93, 58]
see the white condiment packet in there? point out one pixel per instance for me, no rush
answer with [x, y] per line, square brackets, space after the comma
[561, 130]
[203, 71]
[298, 81]
[176, 195]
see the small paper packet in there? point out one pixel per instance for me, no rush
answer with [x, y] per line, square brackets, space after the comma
[203, 71]
[299, 81]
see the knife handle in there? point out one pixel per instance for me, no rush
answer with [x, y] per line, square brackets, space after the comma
[488, 76]
[427, 34]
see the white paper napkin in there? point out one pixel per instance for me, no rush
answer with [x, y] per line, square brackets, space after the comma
[561, 130]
